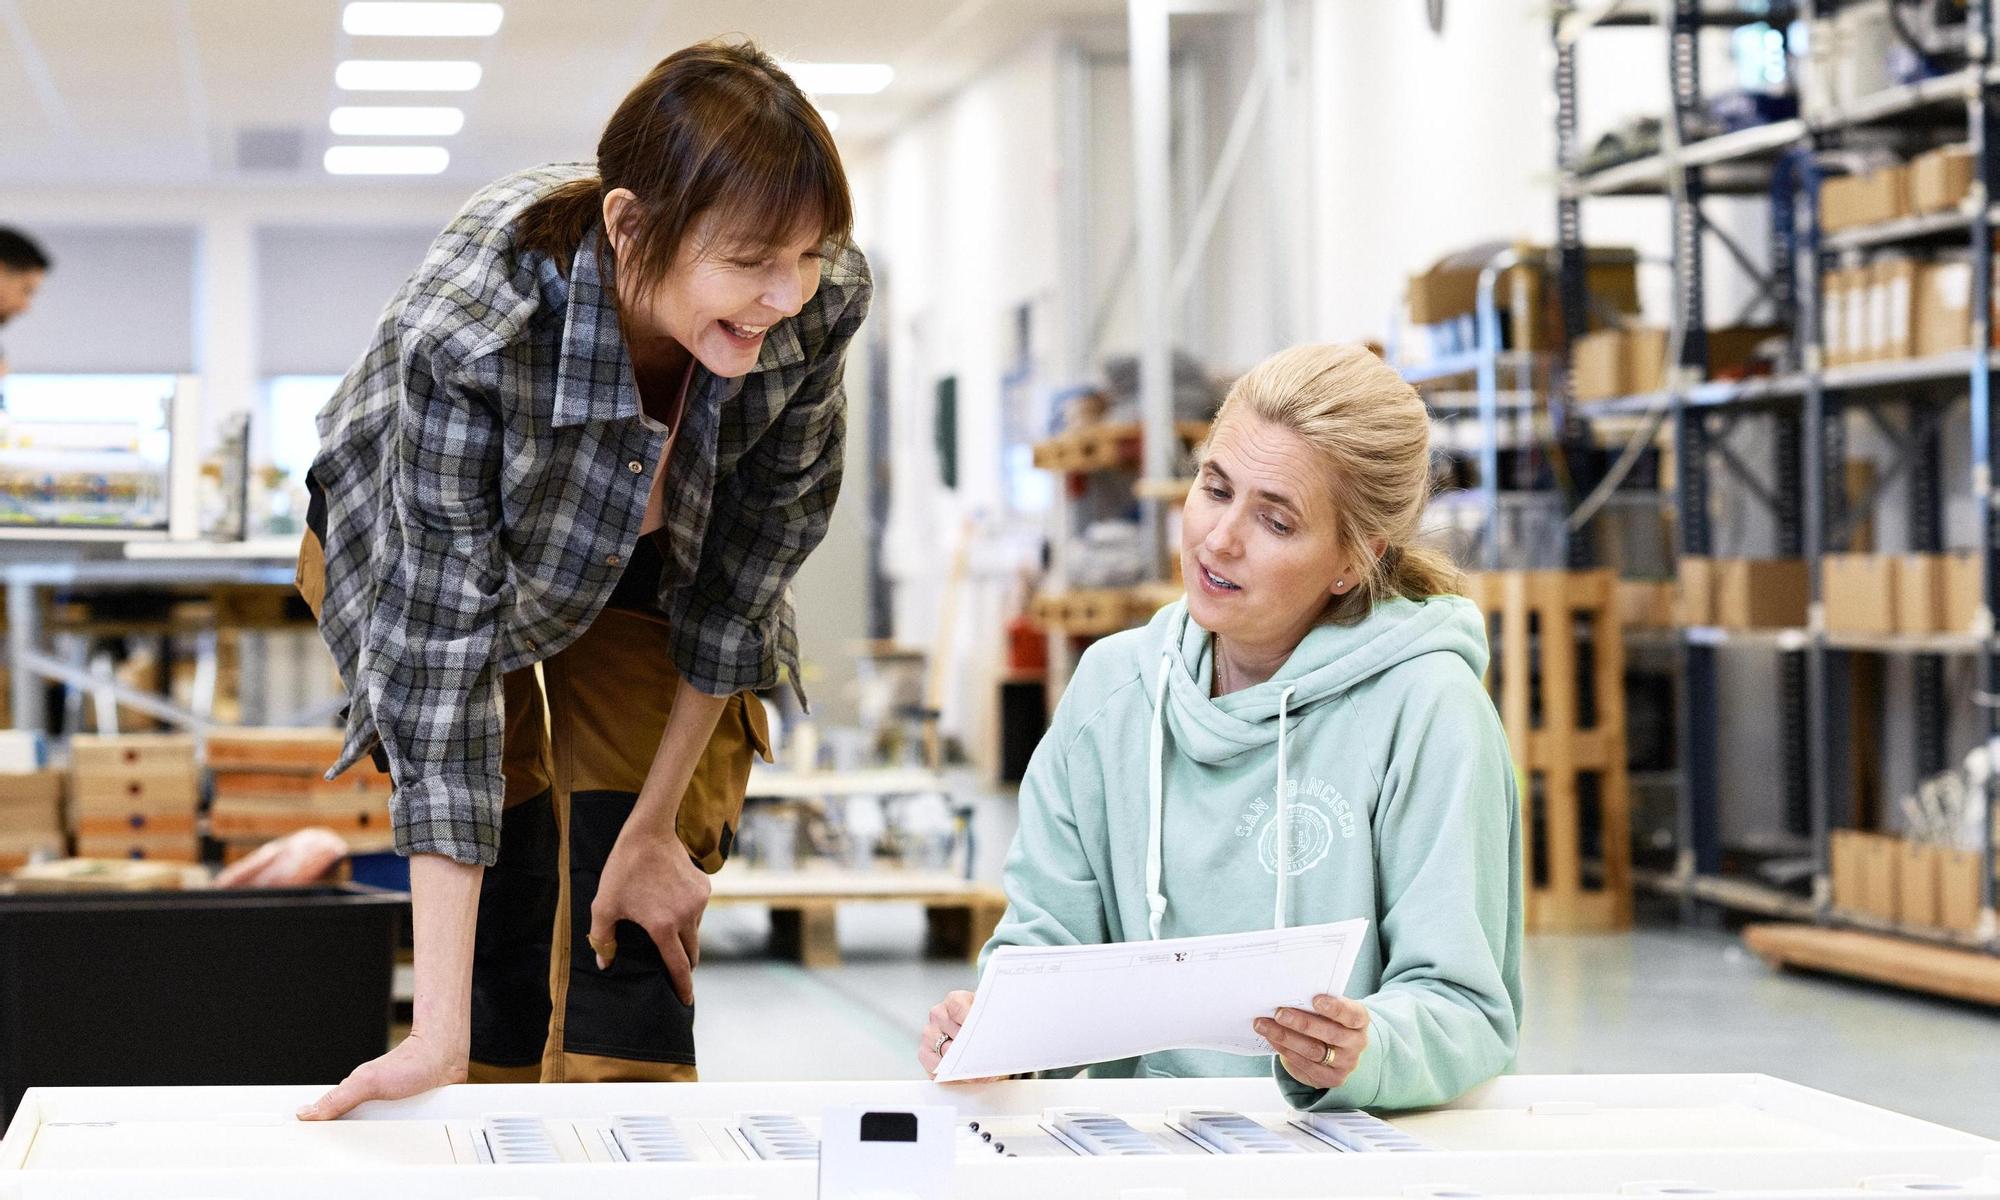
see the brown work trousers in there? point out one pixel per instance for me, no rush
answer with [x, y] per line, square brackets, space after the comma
[582, 728]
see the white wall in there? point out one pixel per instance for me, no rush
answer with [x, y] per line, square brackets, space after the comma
[119, 299]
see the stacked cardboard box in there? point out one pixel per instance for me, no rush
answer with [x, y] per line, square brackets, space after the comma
[1851, 201]
[134, 796]
[1447, 293]
[1940, 180]
[1632, 362]
[1859, 591]
[1898, 308]
[30, 817]
[271, 782]
[1904, 882]
[1743, 593]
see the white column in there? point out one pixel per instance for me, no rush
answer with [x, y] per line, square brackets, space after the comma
[225, 324]
[1150, 47]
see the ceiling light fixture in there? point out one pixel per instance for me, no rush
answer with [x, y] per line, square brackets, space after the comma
[831, 118]
[385, 121]
[386, 160]
[421, 20]
[395, 75]
[840, 79]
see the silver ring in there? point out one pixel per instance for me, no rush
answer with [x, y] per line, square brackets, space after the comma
[937, 1047]
[1326, 1060]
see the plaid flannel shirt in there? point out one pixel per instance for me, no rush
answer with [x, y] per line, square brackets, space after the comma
[486, 468]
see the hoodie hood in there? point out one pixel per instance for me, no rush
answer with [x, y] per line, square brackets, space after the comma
[1329, 660]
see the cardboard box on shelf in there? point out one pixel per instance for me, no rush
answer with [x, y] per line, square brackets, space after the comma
[1833, 317]
[1940, 179]
[1917, 883]
[1920, 594]
[1645, 360]
[1854, 315]
[1646, 603]
[1732, 349]
[1844, 851]
[1891, 290]
[1528, 302]
[1858, 591]
[1851, 201]
[1942, 312]
[1597, 365]
[1761, 593]
[1881, 863]
[1964, 600]
[1958, 890]
[1866, 873]
[1695, 595]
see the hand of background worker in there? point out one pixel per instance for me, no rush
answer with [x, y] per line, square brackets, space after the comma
[651, 882]
[293, 861]
[416, 1065]
[1301, 1037]
[945, 1021]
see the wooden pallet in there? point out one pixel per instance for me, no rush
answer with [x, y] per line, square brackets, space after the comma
[1880, 958]
[1106, 446]
[959, 916]
[1557, 752]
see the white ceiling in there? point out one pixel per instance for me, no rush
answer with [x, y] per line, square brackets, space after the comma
[156, 92]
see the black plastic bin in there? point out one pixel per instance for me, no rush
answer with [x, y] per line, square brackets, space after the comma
[195, 987]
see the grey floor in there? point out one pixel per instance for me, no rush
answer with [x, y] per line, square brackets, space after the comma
[1660, 999]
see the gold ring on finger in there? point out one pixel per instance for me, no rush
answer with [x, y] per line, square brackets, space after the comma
[1326, 1060]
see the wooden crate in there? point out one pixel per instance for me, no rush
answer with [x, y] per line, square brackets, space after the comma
[292, 750]
[1557, 752]
[118, 754]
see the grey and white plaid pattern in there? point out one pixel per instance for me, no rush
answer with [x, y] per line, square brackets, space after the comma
[486, 470]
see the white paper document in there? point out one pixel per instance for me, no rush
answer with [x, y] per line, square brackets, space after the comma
[1040, 1008]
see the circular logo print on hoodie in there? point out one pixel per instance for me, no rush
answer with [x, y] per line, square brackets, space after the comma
[1311, 838]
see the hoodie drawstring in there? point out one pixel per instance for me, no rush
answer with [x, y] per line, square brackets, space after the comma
[1156, 786]
[1282, 855]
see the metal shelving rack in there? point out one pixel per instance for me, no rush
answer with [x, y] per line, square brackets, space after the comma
[1807, 402]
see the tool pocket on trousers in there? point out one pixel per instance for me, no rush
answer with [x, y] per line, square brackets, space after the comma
[629, 1010]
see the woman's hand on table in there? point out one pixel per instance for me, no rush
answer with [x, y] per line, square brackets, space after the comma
[416, 1065]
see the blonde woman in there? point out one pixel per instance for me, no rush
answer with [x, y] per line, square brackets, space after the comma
[1320, 680]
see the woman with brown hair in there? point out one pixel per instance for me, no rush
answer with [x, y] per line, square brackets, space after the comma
[553, 521]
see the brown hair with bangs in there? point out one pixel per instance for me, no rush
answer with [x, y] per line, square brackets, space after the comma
[718, 127]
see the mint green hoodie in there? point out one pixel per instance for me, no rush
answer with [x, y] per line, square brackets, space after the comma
[1147, 819]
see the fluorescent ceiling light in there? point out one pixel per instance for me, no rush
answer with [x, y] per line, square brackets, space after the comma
[831, 118]
[840, 79]
[387, 160]
[385, 121]
[396, 75]
[421, 20]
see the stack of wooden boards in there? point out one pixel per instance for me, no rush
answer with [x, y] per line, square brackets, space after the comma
[31, 818]
[271, 782]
